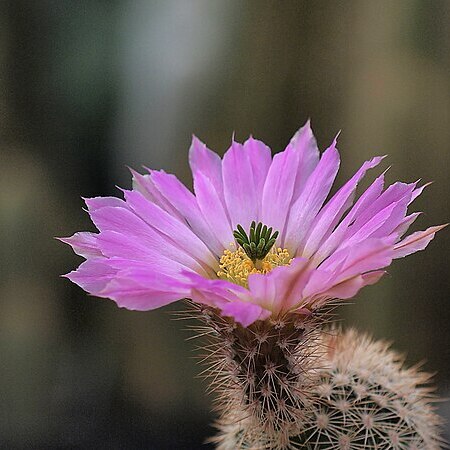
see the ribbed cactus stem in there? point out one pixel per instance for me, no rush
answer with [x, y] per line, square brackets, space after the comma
[286, 384]
[262, 374]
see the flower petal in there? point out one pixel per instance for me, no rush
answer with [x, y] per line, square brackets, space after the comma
[118, 247]
[244, 171]
[282, 288]
[305, 144]
[241, 197]
[332, 212]
[387, 213]
[349, 288]
[403, 226]
[175, 231]
[146, 186]
[287, 177]
[311, 199]
[395, 193]
[226, 296]
[125, 234]
[245, 313]
[372, 227]
[416, 241]
[337, 236]
[83, 244]
[95, 203]
[137, 298]
[260, 158]
[186, 203]
[92, 275]
[202, 160]
[346, 289]
[366, 256]
[418, 191]
[212, 210]
[143, 289]
[279, 189]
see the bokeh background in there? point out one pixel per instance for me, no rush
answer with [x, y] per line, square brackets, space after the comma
[88, 87]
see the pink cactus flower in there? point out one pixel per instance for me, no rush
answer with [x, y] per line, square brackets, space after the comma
[258, 239]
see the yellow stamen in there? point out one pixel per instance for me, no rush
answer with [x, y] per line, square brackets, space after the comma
[236, 266]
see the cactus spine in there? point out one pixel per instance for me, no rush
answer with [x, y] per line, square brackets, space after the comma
[287, 384]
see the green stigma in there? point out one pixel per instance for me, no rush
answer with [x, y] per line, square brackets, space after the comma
[258, 242]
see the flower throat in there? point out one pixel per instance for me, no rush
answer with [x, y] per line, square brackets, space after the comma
[256, 254]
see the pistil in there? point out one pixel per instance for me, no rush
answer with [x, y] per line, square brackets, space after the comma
[258, 242]
[255, 254]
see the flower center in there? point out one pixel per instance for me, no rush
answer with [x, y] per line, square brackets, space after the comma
[255, 254]
[258, 242]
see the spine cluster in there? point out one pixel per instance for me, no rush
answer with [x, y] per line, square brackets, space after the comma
[287, 384]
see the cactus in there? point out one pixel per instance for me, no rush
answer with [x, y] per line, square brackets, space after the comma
[262, 255]
[367, 399]
[288, 384]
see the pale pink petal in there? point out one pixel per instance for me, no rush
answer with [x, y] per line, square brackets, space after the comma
[404, 225]
[101, 202]
[279, 189]
[305, 144]
[393, 194]
[136, 298]
[244, 171]
[311, 199]
[212, 210]
[115, 244]
[245, 313]
[143, 289]
[282, 288]
[367, 256]
[366, 199]
[416, 241]
[145, 185]
[260, 158]
[344, 290]
[332, 212]
[151, 265]
[204, 161]
[226, 296]
[349, 288]
[215, 292]
[263, 291]
[241, 197]
[338, 235]
[185, 202]
[83, 244]
[175, 231]
[216, 284]
[371, 227]
[387, 212]
[92, 275]
[394, 220]
[418, 191]
[215, 298]
[118, 247]
[136, 232]
[287, 177]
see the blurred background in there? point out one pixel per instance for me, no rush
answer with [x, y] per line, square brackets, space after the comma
[88, 87]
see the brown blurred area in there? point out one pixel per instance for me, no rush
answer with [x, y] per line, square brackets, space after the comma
[89, 87]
